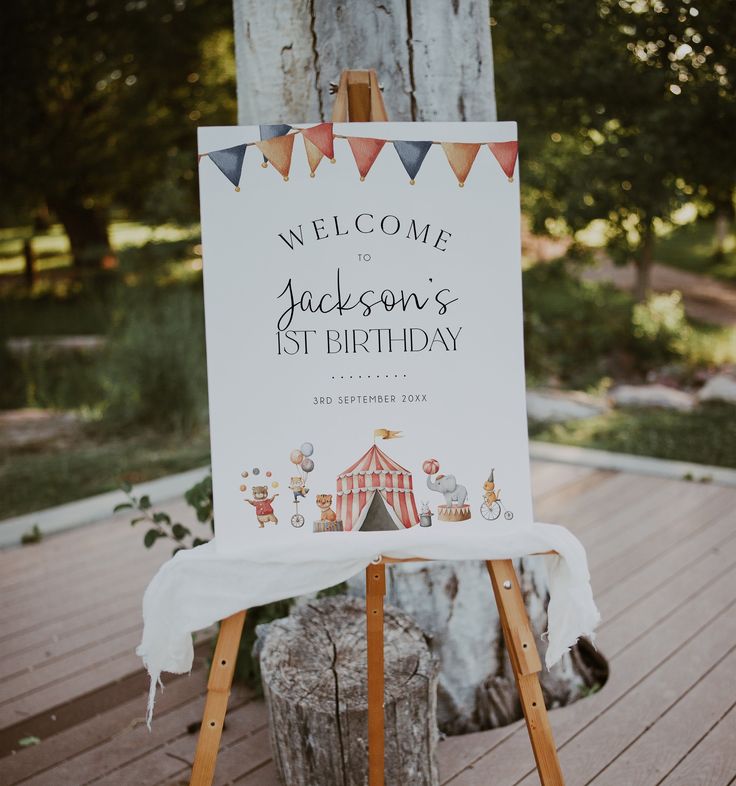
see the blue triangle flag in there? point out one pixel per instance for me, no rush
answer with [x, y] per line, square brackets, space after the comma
[412, 154]
[270, 131]
[230, 162]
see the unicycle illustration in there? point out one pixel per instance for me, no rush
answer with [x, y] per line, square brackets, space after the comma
[493, 511]
[297, 520]
[492, 506]
[300, 458]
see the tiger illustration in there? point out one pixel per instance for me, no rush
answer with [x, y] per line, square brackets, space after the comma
[324, 503]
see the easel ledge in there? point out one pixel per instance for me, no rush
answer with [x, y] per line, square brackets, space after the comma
[359, 99]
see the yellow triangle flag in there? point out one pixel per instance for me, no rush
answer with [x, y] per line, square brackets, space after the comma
[385, 433]
[314, 155]
[461, 156]
[278, 151]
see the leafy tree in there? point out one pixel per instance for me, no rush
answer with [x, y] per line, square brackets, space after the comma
[100, 101]
[705, 64]
[609, 118]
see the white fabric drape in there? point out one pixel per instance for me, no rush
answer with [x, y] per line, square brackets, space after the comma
[198, 587]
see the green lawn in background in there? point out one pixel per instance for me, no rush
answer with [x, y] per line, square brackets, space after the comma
[36, 480]
[579, 334]
[692, 248]
[705, 436]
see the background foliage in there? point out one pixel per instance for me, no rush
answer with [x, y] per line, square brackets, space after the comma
[626, 114]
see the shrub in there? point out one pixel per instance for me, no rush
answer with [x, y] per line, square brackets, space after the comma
[660, 327]
[155, 372]
[572, 329]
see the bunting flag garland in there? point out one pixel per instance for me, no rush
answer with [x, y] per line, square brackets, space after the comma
[269, 132]
[365, 152]
[412, 154]
[461, 156]
[314, 156]
[505, 153]
[230, 162]
[277, 145]
[322, 138]
[278, 151]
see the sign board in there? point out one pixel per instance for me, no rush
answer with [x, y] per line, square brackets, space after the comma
[364, 331]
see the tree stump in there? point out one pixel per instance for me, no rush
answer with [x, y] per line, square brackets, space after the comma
[453, 604]
[313, 667]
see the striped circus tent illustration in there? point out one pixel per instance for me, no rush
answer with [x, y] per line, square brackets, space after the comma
[376, 494]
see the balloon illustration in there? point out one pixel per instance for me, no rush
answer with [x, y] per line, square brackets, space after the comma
[256, 471]
[307, 448]
[431, 466]
[243, 487]
[296, 457]
[244, 474]
[307, 465]
[268, 474]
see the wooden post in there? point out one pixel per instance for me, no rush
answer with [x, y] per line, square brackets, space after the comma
[375, 590]
[218, 693]
[526, 666]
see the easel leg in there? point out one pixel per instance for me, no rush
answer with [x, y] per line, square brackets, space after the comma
[218, 693]
[526, 665]
[375, 589]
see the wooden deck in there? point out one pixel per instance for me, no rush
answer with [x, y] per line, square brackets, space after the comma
[663, 561]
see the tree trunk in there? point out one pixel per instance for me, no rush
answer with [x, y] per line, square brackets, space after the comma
[86, 229]
[29, 263]
[434, 61]
[724, 219]
[313, 668]
[643, 263]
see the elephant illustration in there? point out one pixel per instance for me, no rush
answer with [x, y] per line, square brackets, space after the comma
[455, 494]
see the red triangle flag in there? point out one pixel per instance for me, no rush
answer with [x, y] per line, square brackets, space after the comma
[505, 153]
[365, 152]
[278, 151]
[321, 137]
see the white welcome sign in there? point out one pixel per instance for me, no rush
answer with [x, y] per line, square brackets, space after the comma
[364, 331]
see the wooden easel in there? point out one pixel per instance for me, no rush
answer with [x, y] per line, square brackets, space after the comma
[359, 99]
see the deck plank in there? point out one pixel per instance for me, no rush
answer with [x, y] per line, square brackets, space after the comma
[66, 752]
[60, 552]
[242, 742]
[657, 751]
[713, 760]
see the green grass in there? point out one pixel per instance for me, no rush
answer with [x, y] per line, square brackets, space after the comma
[36, 480]
[73, 311]
[692, 248]
[705, 436]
